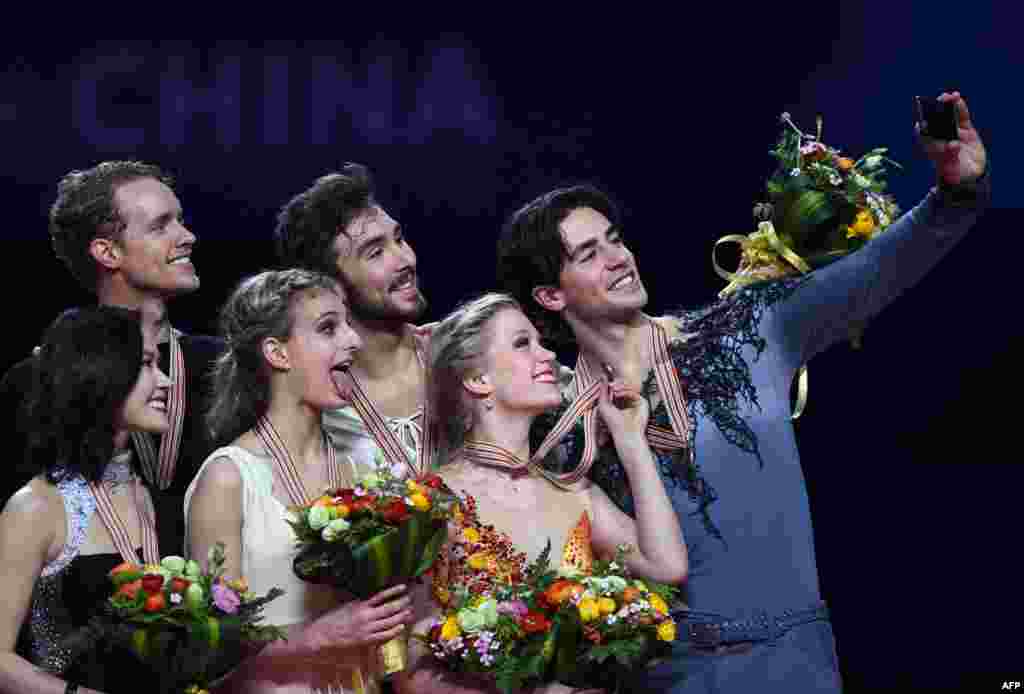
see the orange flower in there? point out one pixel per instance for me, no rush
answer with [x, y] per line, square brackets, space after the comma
[844, 163]
[130, 590]
[561, 590]
[125, 567]
[155, 603]
[630, 594]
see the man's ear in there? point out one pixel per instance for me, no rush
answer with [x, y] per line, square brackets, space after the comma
[276, 354]
[550, 297]
[478, 386]
[106, 252]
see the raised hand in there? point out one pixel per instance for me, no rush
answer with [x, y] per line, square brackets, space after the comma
[363, 622]
[957, 161]
[623, 409]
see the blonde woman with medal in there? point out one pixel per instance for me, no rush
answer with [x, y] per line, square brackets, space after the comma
[95, 382]
[490, 377]
[289, 348]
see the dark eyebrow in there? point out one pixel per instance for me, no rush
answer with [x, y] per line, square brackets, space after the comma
[371, 240]
[164, 219]
[591, 242]
[327, 314]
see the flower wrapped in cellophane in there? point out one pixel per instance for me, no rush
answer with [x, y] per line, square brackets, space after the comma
[385, 530]
[821, 206]
[189, 626]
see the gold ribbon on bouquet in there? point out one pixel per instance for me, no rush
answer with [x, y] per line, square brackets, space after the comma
[764, 256]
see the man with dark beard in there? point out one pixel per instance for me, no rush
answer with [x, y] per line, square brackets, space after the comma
[338, 228]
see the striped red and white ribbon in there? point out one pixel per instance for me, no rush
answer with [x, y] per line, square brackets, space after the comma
[293, 484]
[391, 447]
[496, 456]
[670, 387]
[159, 466]
[118, 530]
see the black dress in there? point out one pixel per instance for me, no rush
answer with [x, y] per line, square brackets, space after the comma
[67, 594]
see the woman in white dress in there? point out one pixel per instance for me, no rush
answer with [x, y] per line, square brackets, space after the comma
[288, 348]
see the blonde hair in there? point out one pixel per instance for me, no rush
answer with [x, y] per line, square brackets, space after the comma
[457, 345]
[260, 307]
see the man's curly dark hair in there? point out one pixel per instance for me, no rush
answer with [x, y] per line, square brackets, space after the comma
[532, 252]
[85, 209]
[310, 222]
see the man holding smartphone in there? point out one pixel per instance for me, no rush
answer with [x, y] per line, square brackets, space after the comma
[720, 407]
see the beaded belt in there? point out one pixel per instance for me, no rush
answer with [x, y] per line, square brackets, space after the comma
[708, 630]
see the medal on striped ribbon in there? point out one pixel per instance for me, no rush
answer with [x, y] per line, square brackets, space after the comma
[496, 456]
[289, 472]
[158, 466]
[391, 447]
[671, 389]
[119, 532]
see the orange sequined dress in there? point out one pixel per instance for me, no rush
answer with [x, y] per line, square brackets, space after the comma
[499, 531]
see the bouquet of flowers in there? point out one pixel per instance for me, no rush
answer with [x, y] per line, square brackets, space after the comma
[385, 530]
[581, 629]
[821, 206]
[190, 626]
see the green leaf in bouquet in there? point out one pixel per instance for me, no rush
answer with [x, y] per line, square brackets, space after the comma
[624, 651]
[332, 564]
[251, 607]
[431, 551]
[540, 565]
[568, 637]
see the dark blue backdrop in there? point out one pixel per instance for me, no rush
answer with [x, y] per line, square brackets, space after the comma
[909, 446]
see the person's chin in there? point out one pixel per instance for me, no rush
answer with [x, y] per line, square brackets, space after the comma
[155, 425]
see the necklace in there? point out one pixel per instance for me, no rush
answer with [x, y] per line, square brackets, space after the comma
[118, 475]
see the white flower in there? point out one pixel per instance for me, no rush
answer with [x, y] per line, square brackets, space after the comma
[398, 471]
[612, 619]
[334, 528]
[318, 517]
[795, 172]
[835, 179]
[176, 598]
[614, 566]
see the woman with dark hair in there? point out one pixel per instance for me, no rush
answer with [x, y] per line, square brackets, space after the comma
[289, 346]
[96, 381]
[489, 378]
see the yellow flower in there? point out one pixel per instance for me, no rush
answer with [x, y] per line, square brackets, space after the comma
[862, 226]
[589, 610]
[667, 631]
[471, 535]
[420, 502]
[450, 629]
[479, 560]
[605, 606]
[657, 603]
[415, 487]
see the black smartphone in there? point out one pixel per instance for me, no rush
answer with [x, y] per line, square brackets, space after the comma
[937, 119]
